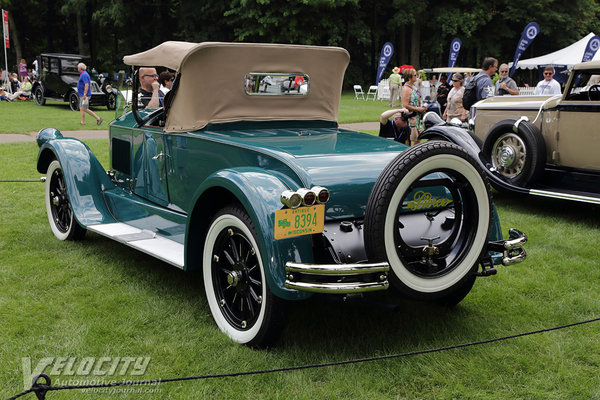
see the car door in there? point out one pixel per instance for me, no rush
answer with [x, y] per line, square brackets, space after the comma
[157, 164]
[578, 136]
[52, 80]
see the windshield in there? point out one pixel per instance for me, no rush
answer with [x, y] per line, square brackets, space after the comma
[585, 85]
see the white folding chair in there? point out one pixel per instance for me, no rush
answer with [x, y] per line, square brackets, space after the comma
[358, 92]
[372, 92]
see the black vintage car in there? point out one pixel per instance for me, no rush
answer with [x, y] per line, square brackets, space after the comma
[57, 80]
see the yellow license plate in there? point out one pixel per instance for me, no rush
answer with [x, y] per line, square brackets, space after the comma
[299, 221]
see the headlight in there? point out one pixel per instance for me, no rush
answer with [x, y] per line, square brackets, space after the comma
[108, 88]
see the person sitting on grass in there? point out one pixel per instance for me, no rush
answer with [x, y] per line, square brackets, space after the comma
[24, 90]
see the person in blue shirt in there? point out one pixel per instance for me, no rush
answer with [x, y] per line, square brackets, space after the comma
[84, 90]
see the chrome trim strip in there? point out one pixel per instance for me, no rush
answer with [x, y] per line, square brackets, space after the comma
[337, 269]
[565, 196]
[338, 287]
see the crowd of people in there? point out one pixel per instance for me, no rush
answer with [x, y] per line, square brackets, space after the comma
[16, 86]
[408, 105]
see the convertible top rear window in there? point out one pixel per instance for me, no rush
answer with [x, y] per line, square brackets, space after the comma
[276, 84]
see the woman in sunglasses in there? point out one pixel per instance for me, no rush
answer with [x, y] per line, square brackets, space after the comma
[455, 107]
[411, 100]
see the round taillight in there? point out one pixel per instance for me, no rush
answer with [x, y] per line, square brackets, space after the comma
[322, 194]
[308, 196]
[291, 199]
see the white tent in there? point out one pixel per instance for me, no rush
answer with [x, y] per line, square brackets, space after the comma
[568, 56]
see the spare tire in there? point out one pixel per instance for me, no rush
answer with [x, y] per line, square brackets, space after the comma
[429, 215]
[518, 155]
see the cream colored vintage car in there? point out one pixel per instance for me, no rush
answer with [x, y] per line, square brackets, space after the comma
[542, 145]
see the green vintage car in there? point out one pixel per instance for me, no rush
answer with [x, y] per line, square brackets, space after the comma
[261, 190]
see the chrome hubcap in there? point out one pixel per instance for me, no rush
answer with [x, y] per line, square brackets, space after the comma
[506, 156]
[233, 278]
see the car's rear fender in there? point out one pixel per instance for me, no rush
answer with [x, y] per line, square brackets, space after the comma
[258, 192]
[85, 177]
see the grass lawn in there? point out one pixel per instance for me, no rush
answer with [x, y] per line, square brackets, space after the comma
[26, 117]
[97, 298]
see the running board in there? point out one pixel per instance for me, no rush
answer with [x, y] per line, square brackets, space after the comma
[144, 240]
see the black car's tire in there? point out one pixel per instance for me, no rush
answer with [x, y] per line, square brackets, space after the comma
[74, 101]
[58, 206]
[409, 205]
[111, 101]
[38, 95]
[234, 280]
[519, 157]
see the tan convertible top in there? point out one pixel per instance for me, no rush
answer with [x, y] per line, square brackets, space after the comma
[212, 78]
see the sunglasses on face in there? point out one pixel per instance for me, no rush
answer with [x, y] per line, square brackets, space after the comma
[455, 80]
[504, 72]
[547, 73]
[151, 75]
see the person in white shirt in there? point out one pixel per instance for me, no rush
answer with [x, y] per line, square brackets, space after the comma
[548, 85]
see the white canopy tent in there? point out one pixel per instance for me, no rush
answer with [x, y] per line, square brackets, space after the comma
[567, 56]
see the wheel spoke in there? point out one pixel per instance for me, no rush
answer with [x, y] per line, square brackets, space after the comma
[250, 307]
[228, 257]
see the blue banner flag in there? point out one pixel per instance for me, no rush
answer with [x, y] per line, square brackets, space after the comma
[529, 33]
[454, 49]
[591, 48]
[386, 53]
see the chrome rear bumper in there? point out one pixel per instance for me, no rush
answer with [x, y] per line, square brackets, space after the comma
[337, 278]
[511, 248]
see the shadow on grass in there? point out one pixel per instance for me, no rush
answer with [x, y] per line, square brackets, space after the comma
[564, 210]
[321, 326]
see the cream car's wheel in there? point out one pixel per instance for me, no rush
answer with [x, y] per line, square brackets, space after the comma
[429, 215]
[234, 280]
[518, 156]
[58, 206]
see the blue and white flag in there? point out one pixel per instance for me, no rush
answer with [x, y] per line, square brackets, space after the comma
[386, 53]
[591, 48]
[454, 49]
[529, 33]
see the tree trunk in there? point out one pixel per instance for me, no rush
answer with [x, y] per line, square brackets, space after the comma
[14, 38]
[80, 43]
[415, 40]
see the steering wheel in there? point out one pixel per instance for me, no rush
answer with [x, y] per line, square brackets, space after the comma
[594, 92]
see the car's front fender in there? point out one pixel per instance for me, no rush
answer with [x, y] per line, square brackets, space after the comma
[258, 191]
[84, 176]
[472, 145]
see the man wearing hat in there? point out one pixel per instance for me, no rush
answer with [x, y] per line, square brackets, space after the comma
[395, 83]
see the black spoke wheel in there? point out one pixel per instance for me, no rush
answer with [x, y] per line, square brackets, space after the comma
[58, 206]
[74, 101]
[38, 95]
[111, 101]
[430, 215]
[234, 278]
